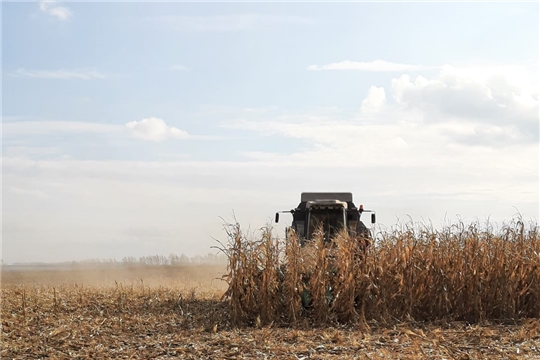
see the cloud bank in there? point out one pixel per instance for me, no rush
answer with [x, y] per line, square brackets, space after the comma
[498, 107]
[459, 141]
[43, 127]
[442, 121]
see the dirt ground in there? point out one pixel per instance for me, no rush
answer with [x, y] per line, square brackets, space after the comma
[176, 312]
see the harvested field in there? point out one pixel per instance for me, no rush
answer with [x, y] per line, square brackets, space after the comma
[70, 322]
[169, 312]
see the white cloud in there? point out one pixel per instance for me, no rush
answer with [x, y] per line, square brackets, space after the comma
[227, 23]
[372, 66]
[49, 127]
[430, 151]
[406, 162]
[178, 68]
[80, 74]
[404, 167]
[60, 12]
[155, 129]
[100, 199]
[440, 121]
[374, 101]
[499, 97]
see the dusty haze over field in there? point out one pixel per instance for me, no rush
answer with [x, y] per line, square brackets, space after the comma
[133, 134]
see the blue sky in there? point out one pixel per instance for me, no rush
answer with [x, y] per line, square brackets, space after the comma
[157, 118]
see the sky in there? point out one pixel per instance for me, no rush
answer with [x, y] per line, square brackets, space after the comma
[133, 129]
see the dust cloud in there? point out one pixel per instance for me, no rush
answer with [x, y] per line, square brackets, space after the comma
[188, 277]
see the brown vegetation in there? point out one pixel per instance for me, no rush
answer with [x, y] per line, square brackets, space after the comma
[460, 273]
[459, 293]
[142, 322]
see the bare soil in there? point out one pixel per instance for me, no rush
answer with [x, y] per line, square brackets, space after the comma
[177, 313]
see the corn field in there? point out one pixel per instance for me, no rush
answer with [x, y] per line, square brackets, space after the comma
[462, 272]
[480, 288]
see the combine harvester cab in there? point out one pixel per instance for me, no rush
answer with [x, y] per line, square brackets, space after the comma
[334, 211]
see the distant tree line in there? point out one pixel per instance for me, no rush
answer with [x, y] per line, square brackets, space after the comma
[174, 259]
[162, 260]
[151, 260]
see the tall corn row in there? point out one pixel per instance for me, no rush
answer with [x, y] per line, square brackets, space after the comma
[347, 265]
[292, 285]
[268, 294]
[457, 273]
[242, 276]
[319, 282]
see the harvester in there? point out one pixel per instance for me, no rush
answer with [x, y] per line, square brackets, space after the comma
[333, 211]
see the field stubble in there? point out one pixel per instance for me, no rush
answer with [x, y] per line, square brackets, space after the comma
[389, 302]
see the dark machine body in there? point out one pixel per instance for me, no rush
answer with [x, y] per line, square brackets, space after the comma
[333, 211]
